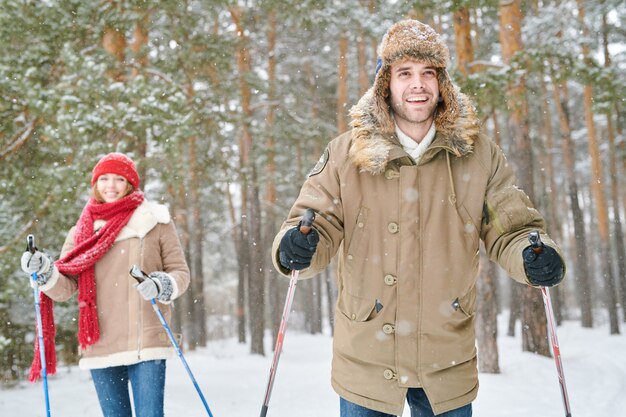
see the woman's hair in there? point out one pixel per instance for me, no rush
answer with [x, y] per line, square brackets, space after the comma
[96, 194]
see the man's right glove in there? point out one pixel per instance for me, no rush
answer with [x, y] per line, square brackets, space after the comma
[543, 269]
[296, 249]
[39, 263]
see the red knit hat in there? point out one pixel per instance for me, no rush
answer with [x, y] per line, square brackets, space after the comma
[116, 163]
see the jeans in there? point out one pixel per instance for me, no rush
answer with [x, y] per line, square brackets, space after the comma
[418, 404]
[147, 380]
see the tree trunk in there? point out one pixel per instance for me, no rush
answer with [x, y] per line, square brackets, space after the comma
[114, 43]
[179, 215]
[515, 309]
[486, 317]
[140, 59]
[140, 41]
[534, 323]
[256, 284]
[342, 85]
[620, 249]
[463, 40]
[186, 305]
[361, 45]
[372, 8]
[597, 186]
[238, 234]
[582, 279]
[250, 194]
[276, 284]
[549, 194]
[199, 336]
[316, 326]
[242, 278]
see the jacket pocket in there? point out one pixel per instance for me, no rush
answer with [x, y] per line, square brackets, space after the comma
[466, 303]
[356, 308]
[356, 244]
[355, 279]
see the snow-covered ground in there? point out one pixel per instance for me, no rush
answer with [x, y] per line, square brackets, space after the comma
[234, 382]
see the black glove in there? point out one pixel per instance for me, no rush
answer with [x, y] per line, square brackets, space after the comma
[296, 249]
[543, 269]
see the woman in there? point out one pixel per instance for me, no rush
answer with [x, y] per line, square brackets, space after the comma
[120, 336]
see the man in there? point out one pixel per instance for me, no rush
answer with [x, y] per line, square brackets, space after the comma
[404, 198]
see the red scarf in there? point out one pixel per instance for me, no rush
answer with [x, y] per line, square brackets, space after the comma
[89, 247]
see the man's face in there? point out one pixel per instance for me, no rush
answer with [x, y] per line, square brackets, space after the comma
[414, 91]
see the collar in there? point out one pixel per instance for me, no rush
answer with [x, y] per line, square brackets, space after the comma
[142, 221]
[416, 150]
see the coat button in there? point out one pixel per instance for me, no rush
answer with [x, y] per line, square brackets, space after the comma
[350, 257]
[360, 225]
[393, 227]
[388, 328]
[388, 374]
[353, 316]
[390, 279]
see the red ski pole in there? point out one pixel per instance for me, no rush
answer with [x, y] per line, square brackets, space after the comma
[537, 246]
[305, 228]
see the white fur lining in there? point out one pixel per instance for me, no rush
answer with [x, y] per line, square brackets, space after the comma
[130, 357]
[144, 219]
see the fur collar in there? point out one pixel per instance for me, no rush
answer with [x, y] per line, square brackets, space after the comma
[144, 219]
[373, 139]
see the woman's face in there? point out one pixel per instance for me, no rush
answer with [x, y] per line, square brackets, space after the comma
[111, 187]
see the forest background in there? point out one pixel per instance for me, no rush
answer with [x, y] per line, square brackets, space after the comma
[226, 105]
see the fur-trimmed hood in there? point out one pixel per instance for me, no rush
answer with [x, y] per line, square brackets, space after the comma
[373, 126]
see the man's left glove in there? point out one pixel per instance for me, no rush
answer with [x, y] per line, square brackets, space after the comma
[159, 285]
[543, 269]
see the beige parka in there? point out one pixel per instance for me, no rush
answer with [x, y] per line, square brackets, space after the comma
[408, 249]
[130, 331]
[407, 239]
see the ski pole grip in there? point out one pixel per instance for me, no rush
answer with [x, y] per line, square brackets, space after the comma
[30, 243]
[138, 274]
[535, 242]
[307, 221]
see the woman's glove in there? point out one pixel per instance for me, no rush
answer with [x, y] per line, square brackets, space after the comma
[159, 285]
[39, 263]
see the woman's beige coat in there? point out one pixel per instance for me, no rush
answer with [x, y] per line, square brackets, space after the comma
[407, 238]
[130, 331]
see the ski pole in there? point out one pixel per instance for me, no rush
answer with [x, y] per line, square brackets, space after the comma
[30, 246]
[537, 247]
[140, 276]
[305, 228]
